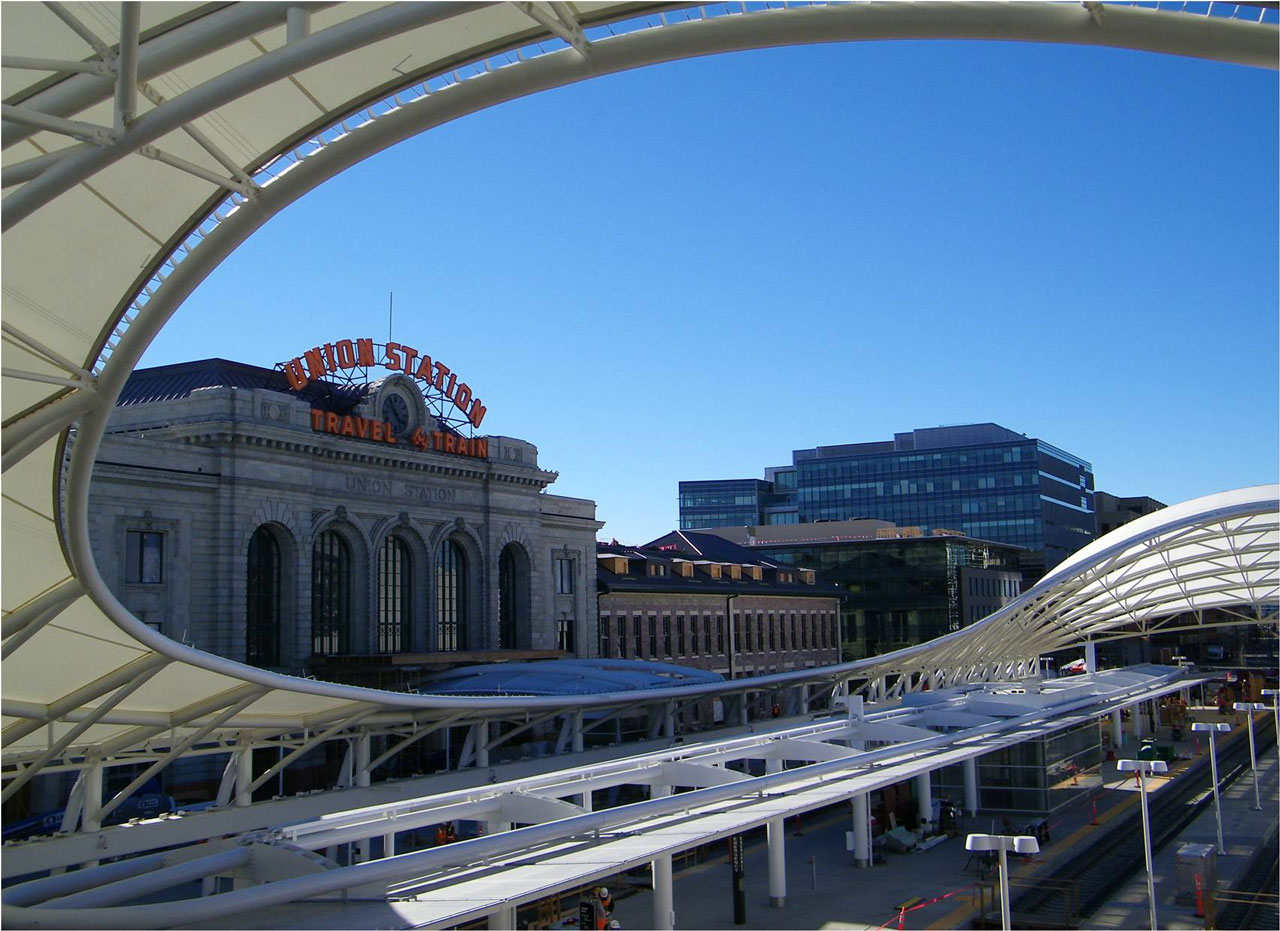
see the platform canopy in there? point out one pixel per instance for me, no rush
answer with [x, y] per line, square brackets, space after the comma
[144, 142]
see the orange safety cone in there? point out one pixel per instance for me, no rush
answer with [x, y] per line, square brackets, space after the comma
[902, 919]
[1199, 898]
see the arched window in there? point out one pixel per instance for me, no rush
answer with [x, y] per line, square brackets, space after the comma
[331, 594]
[451, 597]
[262, 611]
[513, 597]
[395, 596]
[507, 599]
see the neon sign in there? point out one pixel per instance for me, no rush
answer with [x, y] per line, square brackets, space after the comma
[347, 354]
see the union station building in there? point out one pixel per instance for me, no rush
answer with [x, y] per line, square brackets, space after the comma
[316, 521]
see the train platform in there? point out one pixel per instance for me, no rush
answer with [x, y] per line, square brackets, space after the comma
[944, 886]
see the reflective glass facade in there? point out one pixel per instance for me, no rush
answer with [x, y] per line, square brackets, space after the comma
[729, 503]
[1040, 775]
[905, 591]
[980, 479]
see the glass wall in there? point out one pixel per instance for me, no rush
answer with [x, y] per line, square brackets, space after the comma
[1040, 775]
[729, 503]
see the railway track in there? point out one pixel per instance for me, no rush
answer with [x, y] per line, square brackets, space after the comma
[1252, 901]
[1089, 877]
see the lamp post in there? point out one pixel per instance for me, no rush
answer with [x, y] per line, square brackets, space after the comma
[1275, 710]
[1213, 729]
[1144, 768]
[1186, 692]
[1249, 707]
[1003, 843]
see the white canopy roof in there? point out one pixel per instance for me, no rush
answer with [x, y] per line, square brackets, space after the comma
[142, 144]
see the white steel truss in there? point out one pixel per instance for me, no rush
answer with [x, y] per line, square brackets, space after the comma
[227, 99]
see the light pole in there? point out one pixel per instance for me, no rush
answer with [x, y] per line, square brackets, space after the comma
[1249, 707]
[1275, 710]
[1003, 843]
[1214, 728]
[1144, 768]
[1186, 692]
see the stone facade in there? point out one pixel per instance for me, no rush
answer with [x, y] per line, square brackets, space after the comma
[208, 469]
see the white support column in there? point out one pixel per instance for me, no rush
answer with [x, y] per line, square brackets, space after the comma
[924, 792]
[1090, 656]
[856, 713]
[575, 724]
[364, 846]
[862, 829]
[389, 844]
[244, 777]
[90, 817]
[1117, 730]
[481, 731]
[297, 27]
[804, 699]
[585, 801]
[504, 919]
[664, 915]
[362, 759]
[776, 831]
[971, 785]
[669, 719]
[1136, 721]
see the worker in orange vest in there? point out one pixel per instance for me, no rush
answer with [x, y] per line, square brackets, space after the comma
[604, 908]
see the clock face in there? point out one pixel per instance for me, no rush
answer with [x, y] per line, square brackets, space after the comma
[395, 411]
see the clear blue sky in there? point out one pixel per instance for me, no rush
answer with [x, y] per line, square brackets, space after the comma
[686, 272]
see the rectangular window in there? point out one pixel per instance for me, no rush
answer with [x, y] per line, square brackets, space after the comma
[564, 577]
[666, 635]
[680, 640]
[653, 637]
[144, 555]
[605, 624]
[773, 645]
[636, 633]
[720, 634]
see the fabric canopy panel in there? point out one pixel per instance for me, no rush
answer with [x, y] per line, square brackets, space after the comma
[163, 135]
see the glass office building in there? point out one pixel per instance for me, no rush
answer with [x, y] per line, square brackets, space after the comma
[982, 480]
[905, 590]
